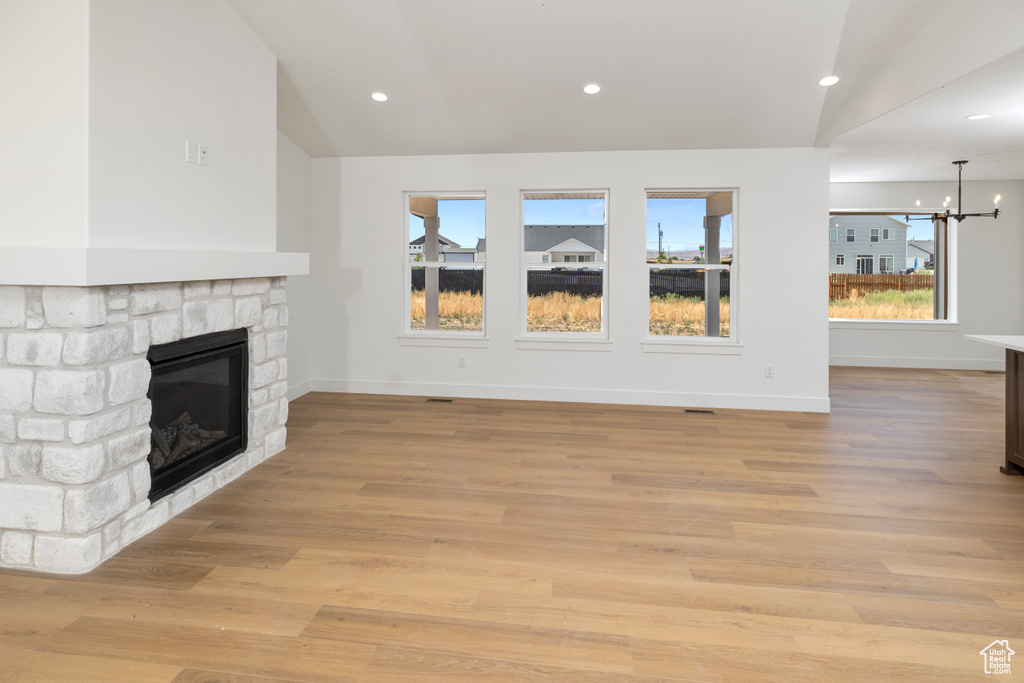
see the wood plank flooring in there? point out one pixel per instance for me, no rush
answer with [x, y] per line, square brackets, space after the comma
[398, 540]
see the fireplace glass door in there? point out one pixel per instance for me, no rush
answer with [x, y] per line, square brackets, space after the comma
[199, 393]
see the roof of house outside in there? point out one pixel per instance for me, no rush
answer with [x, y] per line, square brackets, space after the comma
[923, 245]
[544, 237]
[441, 239]
[481, 244]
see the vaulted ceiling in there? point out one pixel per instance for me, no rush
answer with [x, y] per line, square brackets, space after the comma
[479, 76]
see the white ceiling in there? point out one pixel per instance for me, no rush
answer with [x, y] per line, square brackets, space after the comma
[921, 139]
[479, 76]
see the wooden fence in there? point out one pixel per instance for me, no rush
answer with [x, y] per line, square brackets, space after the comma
[841, 284]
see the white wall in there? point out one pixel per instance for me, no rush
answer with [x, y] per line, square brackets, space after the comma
[990, 280]
[294, 205]
[163, 72]
[358, 252]
[43, 118]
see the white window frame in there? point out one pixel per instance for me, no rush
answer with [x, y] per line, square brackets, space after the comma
[851, 235]
[950, 324]
[888, 233]
[559, 340]
[881, 262]
[833, 234]
[453, 338]
[658, 343]
[840, 259]
[873, 235]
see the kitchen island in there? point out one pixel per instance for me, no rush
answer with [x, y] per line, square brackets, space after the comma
[1014, 345]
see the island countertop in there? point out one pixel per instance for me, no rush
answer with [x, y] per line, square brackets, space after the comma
[1007, 341]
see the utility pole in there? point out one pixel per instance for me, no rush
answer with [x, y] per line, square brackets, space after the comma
[660, 235]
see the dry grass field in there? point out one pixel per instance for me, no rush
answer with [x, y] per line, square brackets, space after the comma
[890, 305]
[562, 312]
[456, 310]
[684, 316]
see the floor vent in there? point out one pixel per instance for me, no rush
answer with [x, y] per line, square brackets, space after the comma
[698, 411]
[994, 372]
[440, 400]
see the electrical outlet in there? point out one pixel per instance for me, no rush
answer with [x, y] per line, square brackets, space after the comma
[190, 152]
[202, 155]
[769, 371]
[462, 361]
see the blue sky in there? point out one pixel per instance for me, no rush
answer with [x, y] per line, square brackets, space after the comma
[682, 220]
[918, 230]
[563, 212]
[461, 220]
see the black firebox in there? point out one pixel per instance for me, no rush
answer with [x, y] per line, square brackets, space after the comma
[200, 397]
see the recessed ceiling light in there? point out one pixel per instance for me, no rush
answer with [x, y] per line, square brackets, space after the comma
[591, 88]
[829, 80]
[977, 117]
[379, 97]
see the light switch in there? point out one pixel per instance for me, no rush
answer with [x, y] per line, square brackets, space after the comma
[202, 155]
[190, 152]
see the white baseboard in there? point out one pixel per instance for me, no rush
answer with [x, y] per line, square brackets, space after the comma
[651, 398]
[300, 389]
[920, 363]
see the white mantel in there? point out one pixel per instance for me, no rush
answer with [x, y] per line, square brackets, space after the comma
[86, 267]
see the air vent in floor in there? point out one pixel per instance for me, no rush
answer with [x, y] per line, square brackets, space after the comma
[440, 400]
[699, 411]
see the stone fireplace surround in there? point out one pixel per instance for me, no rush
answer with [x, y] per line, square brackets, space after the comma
[74, 417]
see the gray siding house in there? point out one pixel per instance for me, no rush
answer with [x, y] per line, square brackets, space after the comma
[920, 253]
[447, 250]
[563, 243]
[866, 244]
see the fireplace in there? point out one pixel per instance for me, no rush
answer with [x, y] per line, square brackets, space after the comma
[85, 374]
[199, 392]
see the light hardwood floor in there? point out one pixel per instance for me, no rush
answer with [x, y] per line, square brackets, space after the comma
[403, 540]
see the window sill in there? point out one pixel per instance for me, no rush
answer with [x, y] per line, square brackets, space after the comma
[454, 340]
[691, 345]
[542, 344]
[921, 325]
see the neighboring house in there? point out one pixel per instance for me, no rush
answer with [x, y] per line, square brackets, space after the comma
[563, 243]
[920, 253]
[460, 254]
[481, 249]
[866, 244]
[445, 247]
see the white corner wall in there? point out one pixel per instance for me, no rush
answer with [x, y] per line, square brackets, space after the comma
[358, 253]
[294, 206]
[44, 62]
[160, 73]
[989, 275]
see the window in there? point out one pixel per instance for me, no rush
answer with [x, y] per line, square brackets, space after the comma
[850, 234]
[909, 282]
[690, 241]
[446, 260]
[564, 261]
[833, 235]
